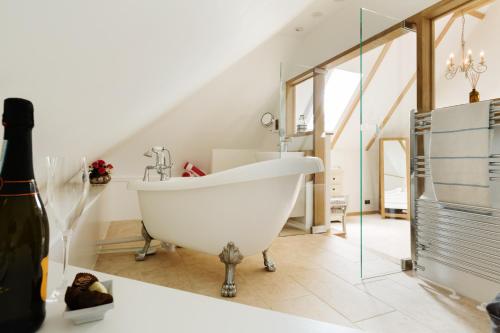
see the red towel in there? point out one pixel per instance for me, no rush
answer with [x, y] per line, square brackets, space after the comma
[193, 169]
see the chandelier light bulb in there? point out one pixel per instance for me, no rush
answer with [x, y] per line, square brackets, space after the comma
[451, 60]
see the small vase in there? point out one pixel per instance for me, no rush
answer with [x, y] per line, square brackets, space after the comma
[474, 96]
[101, 180]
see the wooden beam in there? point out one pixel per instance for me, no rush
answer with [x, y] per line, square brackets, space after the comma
[301, 77]
[425, 65]
[322, 179]
[290, 110]
[444, 7]
[472, 6]
[477, 14]
[402, 144]
[355, 101]
[392, 109]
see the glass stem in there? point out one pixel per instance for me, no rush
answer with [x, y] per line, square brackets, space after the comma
[66, 240]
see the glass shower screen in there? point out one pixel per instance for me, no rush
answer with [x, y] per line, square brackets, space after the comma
[387, 67]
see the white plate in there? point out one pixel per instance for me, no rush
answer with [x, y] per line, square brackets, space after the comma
[91, 314]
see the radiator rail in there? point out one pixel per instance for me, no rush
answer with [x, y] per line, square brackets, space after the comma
[463, 237]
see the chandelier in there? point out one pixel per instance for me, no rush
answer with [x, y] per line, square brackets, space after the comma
[468, 66]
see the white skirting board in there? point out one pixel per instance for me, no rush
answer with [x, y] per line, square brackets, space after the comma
[320, 229]
[463, 283]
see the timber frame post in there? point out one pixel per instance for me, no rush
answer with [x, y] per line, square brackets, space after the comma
[322, 150]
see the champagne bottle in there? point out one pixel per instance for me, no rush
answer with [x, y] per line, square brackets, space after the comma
[24, 229]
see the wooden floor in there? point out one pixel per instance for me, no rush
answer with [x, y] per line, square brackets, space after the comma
[317, 277]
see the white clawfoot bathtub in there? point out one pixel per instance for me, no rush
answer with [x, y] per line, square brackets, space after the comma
[233, 213]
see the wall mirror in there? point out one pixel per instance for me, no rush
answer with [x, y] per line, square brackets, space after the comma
[267, 119]
[394, 172]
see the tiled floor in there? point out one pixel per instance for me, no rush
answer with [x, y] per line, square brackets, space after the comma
[291, 231]
[389, 237]
[317, 277]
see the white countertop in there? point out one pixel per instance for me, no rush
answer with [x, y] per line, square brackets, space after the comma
[143, 307]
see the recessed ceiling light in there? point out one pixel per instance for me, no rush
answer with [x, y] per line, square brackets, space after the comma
[299, 29]
[317, 14]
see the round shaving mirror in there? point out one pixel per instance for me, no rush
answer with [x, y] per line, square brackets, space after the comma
[267, 119]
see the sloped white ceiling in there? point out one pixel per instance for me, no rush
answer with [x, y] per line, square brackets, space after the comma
[98, 71]
[225, 113]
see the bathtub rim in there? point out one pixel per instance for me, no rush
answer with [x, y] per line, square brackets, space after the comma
[250, 172]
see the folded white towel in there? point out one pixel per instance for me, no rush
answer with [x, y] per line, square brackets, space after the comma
[459, 151]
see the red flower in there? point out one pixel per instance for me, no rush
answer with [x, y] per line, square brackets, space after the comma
[95, 165]
[101, 162]
[110, 166]
[101, 171]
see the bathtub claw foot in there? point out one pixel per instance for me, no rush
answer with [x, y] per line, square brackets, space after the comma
[141, 255]
[268, 262]
[231, 257]
[228, 290]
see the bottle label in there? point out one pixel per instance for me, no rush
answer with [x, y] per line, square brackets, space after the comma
[17, 188]
[45, 270]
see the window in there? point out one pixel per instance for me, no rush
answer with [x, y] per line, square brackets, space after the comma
[339, 90]
[304, 93]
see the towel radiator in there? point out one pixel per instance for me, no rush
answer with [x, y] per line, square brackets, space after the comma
[463, 238]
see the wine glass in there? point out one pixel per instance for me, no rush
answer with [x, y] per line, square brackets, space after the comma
[67, 190]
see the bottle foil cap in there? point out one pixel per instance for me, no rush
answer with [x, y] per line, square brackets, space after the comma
[17, 112]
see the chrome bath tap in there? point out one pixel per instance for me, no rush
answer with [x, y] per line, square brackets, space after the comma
[161, 166]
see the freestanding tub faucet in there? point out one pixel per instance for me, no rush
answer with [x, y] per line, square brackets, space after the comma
[161, 166]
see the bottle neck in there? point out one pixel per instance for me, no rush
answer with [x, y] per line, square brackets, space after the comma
[17, 155]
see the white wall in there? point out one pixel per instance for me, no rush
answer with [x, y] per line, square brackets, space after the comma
[225, 113]
[132, 74]
[98, 71]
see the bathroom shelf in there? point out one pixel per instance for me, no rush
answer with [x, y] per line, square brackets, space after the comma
[298, 135]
